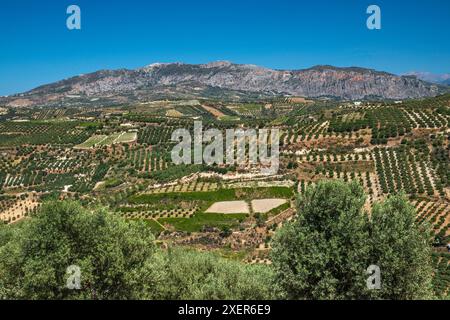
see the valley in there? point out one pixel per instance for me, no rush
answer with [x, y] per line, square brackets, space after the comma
[119, 157]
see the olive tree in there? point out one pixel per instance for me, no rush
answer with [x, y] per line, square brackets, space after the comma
[110, 253]
[402, 250]
[323, 253]
[327, 251]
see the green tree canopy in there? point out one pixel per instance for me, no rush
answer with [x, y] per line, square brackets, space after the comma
[118, 260]
[402, 249]
[111, 253]
[188, 274]
[323, 254]
[326, 251]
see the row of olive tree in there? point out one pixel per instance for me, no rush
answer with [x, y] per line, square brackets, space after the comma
[323, 254]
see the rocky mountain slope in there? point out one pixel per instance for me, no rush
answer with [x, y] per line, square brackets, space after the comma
[223, 80]
[439, 78]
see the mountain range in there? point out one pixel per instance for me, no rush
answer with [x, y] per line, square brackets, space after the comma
[443, 78]
[224, 80]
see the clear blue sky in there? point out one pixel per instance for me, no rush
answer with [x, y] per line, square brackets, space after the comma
[37, 48]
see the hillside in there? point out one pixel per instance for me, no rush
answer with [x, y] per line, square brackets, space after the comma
[121, 157]
[222, 80]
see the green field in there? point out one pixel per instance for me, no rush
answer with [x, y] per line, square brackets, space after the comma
[92, 142]
[107, 140]
[153, 225]
[217, 195]
[201, 220]
[127, 137]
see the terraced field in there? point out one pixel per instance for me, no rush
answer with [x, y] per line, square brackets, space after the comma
[123, 160]
[104, 140]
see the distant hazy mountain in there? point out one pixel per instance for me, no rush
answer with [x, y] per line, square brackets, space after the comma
[443, 78]
[222, 80]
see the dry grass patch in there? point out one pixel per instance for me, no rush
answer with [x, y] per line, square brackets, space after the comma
[229, 207]
[265, 205]
[216, 113]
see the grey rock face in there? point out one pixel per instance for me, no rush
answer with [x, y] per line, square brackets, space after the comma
[320, 81]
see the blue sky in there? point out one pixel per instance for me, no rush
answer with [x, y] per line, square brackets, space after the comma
[37, 48]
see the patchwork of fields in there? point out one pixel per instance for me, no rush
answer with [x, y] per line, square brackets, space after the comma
[120, 158]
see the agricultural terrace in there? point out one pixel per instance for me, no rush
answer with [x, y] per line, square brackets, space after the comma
[120, 157]
[104, 140]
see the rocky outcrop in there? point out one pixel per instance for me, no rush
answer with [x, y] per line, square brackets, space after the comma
[219, 79]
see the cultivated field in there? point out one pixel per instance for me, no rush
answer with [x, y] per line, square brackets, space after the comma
[265, 205]
[227, 207]
[120, 157]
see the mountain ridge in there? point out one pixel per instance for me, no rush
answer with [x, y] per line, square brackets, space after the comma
[223, 79]
[439, 78]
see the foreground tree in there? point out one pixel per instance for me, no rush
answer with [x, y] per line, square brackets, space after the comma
[187, 274]
[111, 254]
[402, 250]
[117, 260]
[326, 251]
[322, 255]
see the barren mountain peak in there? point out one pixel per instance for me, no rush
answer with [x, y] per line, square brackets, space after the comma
[215, 64]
